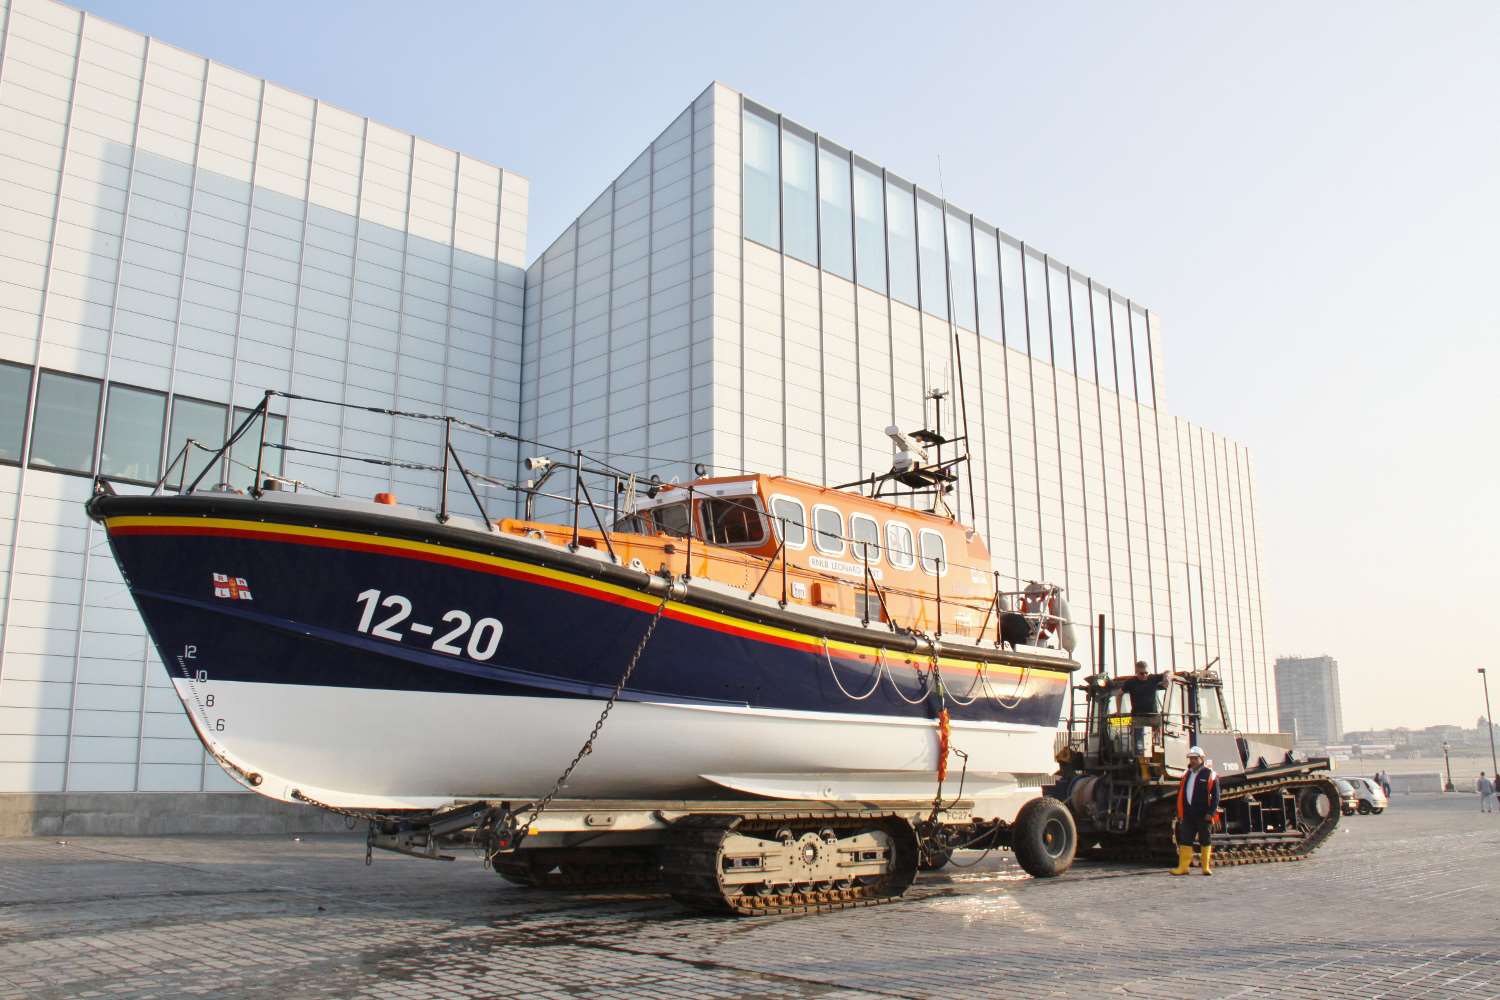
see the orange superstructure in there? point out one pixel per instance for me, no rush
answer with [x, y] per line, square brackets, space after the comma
[809, 546]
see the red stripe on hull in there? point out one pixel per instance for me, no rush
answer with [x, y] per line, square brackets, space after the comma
[481, 567]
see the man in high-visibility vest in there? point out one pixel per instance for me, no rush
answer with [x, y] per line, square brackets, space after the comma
[1197, 805]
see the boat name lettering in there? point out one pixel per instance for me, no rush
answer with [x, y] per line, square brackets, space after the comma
[840, 566]
[483, 635]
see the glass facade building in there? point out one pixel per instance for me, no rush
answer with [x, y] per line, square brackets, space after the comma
[176, 237]
[782, 309]
[748, 294]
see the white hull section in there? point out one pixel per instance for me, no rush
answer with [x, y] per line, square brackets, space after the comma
[374, 749]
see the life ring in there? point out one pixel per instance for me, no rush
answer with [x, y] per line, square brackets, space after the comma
[1042, 601]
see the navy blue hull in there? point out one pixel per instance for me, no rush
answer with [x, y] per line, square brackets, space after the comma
[286, 604]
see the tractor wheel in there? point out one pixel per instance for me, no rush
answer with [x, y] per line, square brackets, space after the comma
[1044, 838]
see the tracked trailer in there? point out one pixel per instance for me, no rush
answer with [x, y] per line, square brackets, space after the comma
[1119, 775]
[762, 694]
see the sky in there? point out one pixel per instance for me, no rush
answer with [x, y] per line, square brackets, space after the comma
[1307, 194]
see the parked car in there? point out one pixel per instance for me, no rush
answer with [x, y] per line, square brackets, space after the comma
[1348, 797]
[1371, 796]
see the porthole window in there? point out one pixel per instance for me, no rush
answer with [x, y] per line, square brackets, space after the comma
[828, 530]
[791, 521]
[901, 548]
[934, 552]
[866, 538]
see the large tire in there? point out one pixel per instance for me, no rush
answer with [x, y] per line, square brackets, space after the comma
[1044, 838]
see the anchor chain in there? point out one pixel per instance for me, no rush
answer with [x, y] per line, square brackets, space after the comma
[588, 744]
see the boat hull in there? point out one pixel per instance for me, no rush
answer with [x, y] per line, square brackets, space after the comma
[364, 660]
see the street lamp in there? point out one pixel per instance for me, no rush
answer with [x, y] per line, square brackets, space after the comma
[1449, 764]
[1489, 720]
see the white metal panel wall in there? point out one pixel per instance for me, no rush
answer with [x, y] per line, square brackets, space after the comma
[1141, 516]
[173, 224]
[619, 312]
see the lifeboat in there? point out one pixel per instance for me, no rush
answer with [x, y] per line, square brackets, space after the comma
[756, 636]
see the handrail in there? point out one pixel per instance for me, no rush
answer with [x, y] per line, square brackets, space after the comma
[929, 596]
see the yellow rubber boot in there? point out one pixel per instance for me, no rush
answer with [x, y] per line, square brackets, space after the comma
[1184, 860]
[1208, 856]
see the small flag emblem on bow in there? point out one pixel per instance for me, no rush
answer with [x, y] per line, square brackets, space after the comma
[232, 588]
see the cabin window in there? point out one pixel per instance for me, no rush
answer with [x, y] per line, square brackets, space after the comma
[1210, 712]
[633, 524]
[866, 535]
[733, 521]
[791, 521]
[672, 519]
[934, 553]
[828, 528]
[900, 547]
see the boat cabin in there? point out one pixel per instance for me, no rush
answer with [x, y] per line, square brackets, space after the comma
[812, 546]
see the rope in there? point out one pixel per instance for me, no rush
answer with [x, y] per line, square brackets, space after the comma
[926, 688]
[832, 670]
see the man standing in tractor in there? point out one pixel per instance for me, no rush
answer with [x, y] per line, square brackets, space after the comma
[1145, 690]
[1197, 805]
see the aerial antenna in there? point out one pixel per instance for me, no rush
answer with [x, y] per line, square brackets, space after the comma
[963, 405]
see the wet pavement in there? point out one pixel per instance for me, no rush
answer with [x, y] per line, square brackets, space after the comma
[1401, 905]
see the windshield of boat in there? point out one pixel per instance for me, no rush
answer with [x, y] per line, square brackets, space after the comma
[633, 524]
[672, 519]
[733, 521]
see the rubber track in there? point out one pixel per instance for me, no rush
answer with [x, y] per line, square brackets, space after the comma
[622, 869]
[690, 864]
[1156, 843]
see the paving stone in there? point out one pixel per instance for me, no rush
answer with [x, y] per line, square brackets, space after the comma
[1401, 905]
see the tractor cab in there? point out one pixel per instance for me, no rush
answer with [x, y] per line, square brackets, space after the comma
[1108, 736]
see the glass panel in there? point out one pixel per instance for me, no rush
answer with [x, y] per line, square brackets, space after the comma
[672, 519]
[1036, 307]
[62, 435]
[1057, 294]
[799, 197]
[204, 423]
[762, 181]
[934, 553]
[1210, 711]
[869, 228]
[1104, 338]
[733, 521]
[901, 225]
[1013, 292]
[1123, 361]
[1083, 333]
[793, 523]
[834, 212]
[1140, 339]
[15, 393]
[866, 535]
[961, 264]
[133, 422]
[242, 455]
[934, 267]
[899, 546]
[828, 530]
[987, 270]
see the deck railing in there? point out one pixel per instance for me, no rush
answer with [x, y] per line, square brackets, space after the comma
[1032, 602]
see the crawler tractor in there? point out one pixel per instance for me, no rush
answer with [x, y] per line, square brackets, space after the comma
[1119, 776]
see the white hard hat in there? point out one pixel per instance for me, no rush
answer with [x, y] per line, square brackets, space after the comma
[1195, 752]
